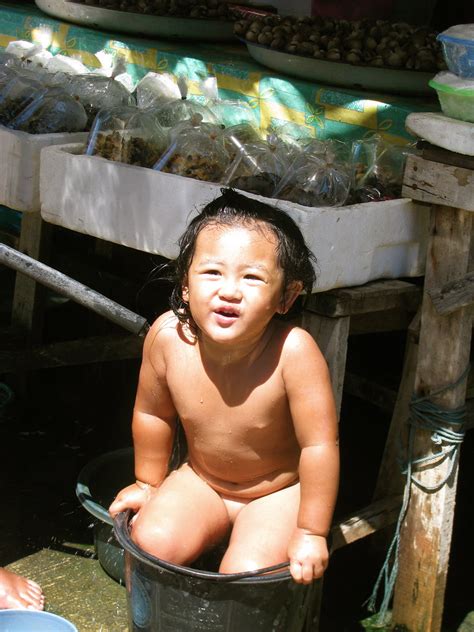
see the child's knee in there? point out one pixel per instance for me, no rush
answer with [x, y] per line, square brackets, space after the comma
[157, 540]
[240, 564]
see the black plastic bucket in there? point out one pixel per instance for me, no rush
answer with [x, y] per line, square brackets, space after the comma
[97, 484]
[164, 597]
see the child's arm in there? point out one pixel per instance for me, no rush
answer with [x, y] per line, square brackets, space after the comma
[153, 423]
[314, 416]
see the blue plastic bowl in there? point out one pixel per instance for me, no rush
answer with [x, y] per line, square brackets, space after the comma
[33, 621]
[458, 51]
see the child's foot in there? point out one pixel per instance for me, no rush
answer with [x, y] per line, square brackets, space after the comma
[19, 592]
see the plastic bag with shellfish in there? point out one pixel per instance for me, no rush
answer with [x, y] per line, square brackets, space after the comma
[17, 91]
[196, 151]
[377, 169]
[258, 166]
[51, 111]
[320, 176]
[96, 92]
[127, 134]
[183, 108]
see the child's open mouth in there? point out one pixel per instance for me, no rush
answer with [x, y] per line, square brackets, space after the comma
[227, 313]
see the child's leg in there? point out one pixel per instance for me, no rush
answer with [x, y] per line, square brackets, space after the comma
[262, 531]
[18, 592]
[182, 519]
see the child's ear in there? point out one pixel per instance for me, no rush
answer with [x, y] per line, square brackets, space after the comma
[291, 294]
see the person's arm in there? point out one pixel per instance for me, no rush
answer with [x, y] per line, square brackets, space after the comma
[313, 411]
[153, 422]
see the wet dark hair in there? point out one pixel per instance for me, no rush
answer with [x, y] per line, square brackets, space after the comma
[231, 208]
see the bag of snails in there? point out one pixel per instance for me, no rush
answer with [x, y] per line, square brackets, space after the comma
[127, 134]
[236, 136]
[183, 108]
[196, 151]
[378, 169]
[52, 111]
[320, 176]
[258, 167]
[96, 92]
[17, 91]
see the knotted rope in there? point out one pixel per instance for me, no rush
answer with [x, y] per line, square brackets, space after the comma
[447, 427]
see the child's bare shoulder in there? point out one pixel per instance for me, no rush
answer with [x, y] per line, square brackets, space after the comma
[297, 342]
[163, 332]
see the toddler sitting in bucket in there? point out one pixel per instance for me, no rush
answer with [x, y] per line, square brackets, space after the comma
[254, 398]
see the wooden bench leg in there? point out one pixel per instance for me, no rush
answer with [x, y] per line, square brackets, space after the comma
[331, 334]
[28, 298]
[390, 480]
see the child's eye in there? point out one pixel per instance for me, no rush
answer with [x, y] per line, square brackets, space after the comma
[253, 277]
[212, 272]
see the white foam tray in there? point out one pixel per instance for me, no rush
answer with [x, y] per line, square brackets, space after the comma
[20, 165]
[148, 211]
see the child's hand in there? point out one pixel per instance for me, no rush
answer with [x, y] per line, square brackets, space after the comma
[308, 555]
[132, 497]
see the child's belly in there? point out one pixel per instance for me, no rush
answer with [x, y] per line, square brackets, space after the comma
[245, 478]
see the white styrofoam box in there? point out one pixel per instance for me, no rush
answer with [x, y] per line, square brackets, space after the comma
[20, 165]
[149, 210]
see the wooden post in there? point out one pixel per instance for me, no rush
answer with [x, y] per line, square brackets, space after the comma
[443, 355]
[28, 298]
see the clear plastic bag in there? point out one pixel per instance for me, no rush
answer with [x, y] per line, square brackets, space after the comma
[257, 168]
[320, 176]
[236, 136]
[378, 169]
[231, 112]
[16, 94]
[127, 134]
[174, 112]
[96, 92]
[69, 65]
[50, 112]
[156, 90]
[197, 151]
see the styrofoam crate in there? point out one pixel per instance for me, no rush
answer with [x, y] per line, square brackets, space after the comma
[20, 165]
[148, 210]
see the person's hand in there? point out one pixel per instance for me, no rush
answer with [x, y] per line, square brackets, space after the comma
[309, 556]
[132, 497]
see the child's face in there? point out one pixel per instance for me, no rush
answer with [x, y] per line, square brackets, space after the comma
[234, 285]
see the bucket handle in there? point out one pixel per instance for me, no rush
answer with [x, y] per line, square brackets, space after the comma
[121, 523]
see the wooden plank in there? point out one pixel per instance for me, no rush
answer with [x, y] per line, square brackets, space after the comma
[443, 354]
[363, 299]
[366, 521]
[331, 334]
[77, 588]
[436, 183]
[379, 322]
[453, 295]
[439, 154]
[70, 353]
[370, 391]
[29, 297]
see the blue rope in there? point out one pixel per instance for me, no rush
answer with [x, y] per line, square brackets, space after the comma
[447, 427]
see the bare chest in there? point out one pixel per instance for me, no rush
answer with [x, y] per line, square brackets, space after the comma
[247, 405]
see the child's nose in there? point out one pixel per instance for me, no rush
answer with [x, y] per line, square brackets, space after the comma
[230, 289]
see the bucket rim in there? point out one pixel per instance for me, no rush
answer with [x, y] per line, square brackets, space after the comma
[262, 575]
[84, 478]
[35, 614]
